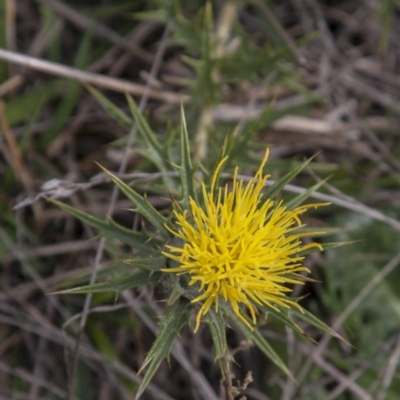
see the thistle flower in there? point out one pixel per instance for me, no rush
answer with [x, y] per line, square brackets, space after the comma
[239, 246]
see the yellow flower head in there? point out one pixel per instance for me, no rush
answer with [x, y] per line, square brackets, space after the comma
[240, 246]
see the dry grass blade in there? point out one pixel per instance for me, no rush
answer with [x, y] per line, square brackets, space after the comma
[102, 81]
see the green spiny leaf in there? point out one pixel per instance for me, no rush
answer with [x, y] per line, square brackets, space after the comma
[304, 196]
[217, 326]
[111, 109]
[320, 231]
[155, 150]
[313, 320]
[108, 228]
[256, 337]
[186, 170]
[174, 321]
[142, 204]
[280, 183]
[283, 316]
[177, 291]
[325, 246]
[117, 285]
[147, 134]
[151, 264]
[226, 147]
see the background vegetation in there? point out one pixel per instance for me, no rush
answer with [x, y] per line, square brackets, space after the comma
[298, 76]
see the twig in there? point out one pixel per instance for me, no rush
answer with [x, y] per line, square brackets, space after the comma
[106, 82]
[353, 82]
[227, 378]
[232, 391]
[38, 370]
[34, 275]
[11, 84]
[390, 371]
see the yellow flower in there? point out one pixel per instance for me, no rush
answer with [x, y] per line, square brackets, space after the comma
[240, 246]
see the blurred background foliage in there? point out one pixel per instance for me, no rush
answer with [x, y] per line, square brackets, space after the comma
[298, 76]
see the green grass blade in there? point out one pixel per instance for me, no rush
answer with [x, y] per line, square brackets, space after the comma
[177, 317]
[142, 205]
[70, 99]
[63, 113]
[101, 340]
[24, 106]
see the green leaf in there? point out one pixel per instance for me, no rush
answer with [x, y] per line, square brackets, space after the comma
[224, 153]
[186, 171]
[256, 337]
[109, 228]
[117, 285]
[111, 109]
[177, 317]
[63, 113]
[325, 246]
[177, 291]
[142, 204]
[217, 326]
[280, 183]
[151, 264]
[314, 321]
[319, 231]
